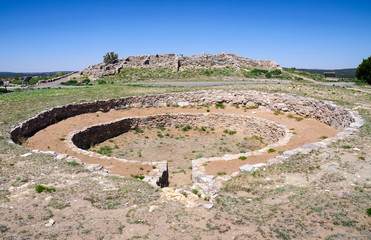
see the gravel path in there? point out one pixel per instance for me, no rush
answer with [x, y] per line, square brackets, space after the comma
[222, 83]
[57, 83]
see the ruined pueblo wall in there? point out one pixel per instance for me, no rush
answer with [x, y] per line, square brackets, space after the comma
[177, 63]
[324, 111]
[269, 131]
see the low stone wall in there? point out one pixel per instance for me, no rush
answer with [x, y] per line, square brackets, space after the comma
[269, 131]
[345, 120]
[324, 111]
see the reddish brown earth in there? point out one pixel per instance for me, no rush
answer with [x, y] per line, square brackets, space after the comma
[307, 131]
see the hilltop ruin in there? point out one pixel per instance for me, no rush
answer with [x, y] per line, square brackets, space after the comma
[178, 63]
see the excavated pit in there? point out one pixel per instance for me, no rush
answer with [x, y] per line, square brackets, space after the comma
[318, 118]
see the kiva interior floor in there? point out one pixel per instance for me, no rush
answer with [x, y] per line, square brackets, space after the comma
[306, 130]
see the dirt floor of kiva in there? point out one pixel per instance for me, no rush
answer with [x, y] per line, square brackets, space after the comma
[305, 130]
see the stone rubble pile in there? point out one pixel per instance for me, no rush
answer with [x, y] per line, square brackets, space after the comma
[177, 63]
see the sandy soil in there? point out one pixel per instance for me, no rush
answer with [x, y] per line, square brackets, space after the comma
[307, 131]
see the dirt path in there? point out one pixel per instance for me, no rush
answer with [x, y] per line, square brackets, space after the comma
[51, 138]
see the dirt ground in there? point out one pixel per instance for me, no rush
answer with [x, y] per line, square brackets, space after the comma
[51, 138]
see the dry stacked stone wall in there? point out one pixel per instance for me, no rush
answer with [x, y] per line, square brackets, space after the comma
[324, 111]
[269, 131]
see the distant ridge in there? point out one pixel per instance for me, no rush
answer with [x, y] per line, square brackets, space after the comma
[340, 73]
[30, 74]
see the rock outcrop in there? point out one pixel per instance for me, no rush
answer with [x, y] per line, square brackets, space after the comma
[178, 63]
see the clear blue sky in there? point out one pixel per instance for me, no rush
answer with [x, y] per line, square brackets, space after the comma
[71, 35]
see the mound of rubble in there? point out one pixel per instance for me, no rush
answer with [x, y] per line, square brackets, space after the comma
[177, 63]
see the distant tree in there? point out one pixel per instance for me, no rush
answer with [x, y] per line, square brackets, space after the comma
[363, 71]
[110, 57]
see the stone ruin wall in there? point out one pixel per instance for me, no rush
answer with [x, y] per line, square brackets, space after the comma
[177, 63]
[324, 111]
[269, 131]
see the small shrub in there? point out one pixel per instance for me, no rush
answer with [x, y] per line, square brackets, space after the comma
[221, 173]
[70, 83]
[101, 81]
[271, 150]
[258, 71]
[72, 163]
[229, 132]
[138, 130]
[242, 158]
[368, 211]
[41, 188]
[298, 119]
[138, 176]
[195, 191]
[219, 105]
[277, 112]
[186, 128]
[161, 128]
[110, 57]
[346, 147]
[160, 135]
[276, 72]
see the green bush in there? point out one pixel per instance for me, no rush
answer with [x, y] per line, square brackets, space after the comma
[258, 71]
[41, 188]
[271, 150]
[363, 71]
[268, 75]
[276, 72]
[186, 128]
[219, 105]
[100, 81]
[110, 57]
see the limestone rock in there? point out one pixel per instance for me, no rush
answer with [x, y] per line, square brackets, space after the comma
[26, 154]
[50, 223]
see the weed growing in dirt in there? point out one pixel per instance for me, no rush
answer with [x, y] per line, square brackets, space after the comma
[106, 150]
[186, 128]
[41, 188]
[138, 176]
[219, 105]
[72, 163]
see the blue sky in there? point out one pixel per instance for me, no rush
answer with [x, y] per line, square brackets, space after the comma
[59, 35]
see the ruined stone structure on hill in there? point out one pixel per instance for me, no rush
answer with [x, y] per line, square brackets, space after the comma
[178, 63]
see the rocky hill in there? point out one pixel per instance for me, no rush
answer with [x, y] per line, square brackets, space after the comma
[178, 63]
